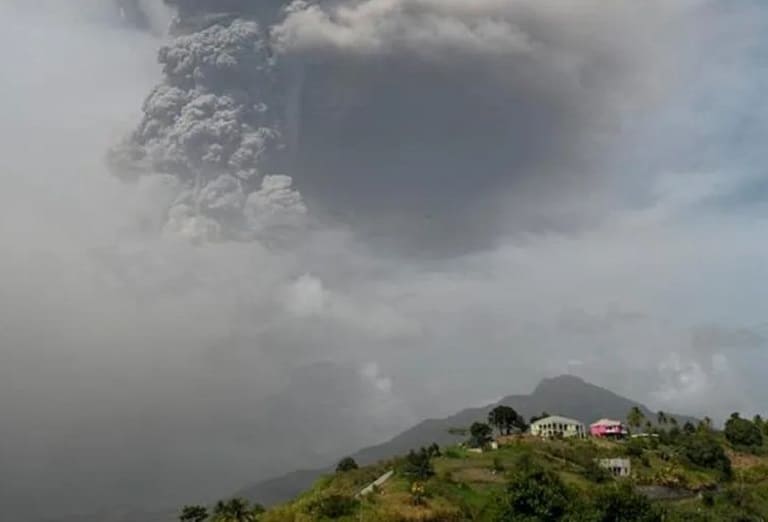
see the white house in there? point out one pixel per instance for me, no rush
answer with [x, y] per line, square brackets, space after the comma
[616, 467]
[555, 426]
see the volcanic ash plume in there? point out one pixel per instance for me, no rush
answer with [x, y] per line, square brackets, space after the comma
[215, 125]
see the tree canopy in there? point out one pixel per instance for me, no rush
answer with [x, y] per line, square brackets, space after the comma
[346, 464]
[480, 434]
[635, 417]
[505, 419]
[742, 432]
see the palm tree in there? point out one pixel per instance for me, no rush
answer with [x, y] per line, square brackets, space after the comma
[661, 418]
[193, 514]
[635, 417]
[236, 510]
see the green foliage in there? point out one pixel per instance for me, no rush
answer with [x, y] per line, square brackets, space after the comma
[634, 448]
[434, 450]
[454, 453]
[621, 503]
[480, 434]
[635, 417]
[346, 464]
[506, 419]
[417, 465]
[193, 514]
[742, 432]
[596, 473]
[333, 506]
[703, 450]
[236, 510]
[534, 494]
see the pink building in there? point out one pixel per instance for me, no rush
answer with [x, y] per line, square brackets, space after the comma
[607, 428]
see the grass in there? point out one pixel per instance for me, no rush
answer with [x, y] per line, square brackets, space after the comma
[465, 484]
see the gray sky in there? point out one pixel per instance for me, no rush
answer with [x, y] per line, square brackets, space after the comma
[483, 194]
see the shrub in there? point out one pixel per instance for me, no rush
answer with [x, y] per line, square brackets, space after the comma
[417, 465]
[333, 506]
[703, 450]
[742, 432]
[453, 453]
[623, 503]
[534, 494]
[634, 448]
[596, 473]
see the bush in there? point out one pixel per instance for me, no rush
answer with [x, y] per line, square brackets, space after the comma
[596, 473]
[534, 494]
[453, 453]
[703, 450]
[742, 432]
[634, 448]
[623, 503]
[333, 506]
[417, 465]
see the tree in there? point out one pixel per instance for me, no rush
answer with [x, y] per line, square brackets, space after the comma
[635, 417]
[434, 450]
[236, 510]
[705, 425]
[742, 432]
[505, 419]
[534, 494]
[418, 465]
[193, 514]
[346, 464]
[661, 418]
[758, 421]
[543, 415]
[480, 434]
[689, 428]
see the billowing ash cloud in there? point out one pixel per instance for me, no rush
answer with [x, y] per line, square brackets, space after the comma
[430, 124]
[446, 123]
[213, 125]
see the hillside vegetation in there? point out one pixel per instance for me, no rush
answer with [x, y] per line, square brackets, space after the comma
[678, 474]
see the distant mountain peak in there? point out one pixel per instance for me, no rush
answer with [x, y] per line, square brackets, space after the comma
[561, 382]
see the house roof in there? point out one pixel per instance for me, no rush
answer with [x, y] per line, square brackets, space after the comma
[607, 422]
[556, 419]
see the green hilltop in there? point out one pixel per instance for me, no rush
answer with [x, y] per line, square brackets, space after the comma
[678, 473]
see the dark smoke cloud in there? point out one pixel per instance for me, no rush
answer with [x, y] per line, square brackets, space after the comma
[447, 123]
